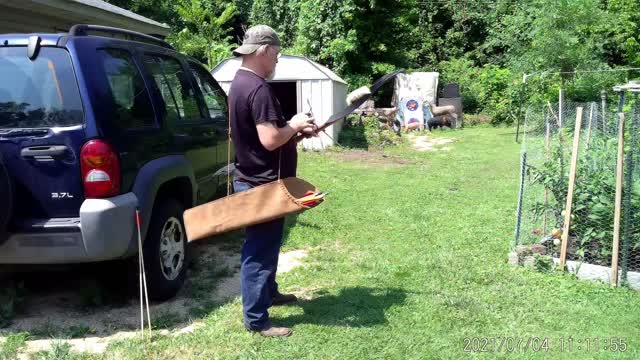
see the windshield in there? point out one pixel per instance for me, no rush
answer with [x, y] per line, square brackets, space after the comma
[40, 93]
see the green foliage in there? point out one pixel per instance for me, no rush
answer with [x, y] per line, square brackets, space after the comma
[12, 343]
[281, 15]
[59, 350]
[159, 10]
[377, 136]
[486, 46]
[476, 119]
[205, 33]
[346, 36]
[557, 35]
[79, 331]
[623, 28]
[165, 319]
[498, 93]
[463, 72]
[489, 90]
[593, 199]
[542, 263]
[365, 132]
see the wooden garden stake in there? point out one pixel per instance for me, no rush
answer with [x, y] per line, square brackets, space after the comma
[546, 191]
[603, 97]
[572, 180]
[560, 106]
[554, 115]
[616, 216]
[589, 128]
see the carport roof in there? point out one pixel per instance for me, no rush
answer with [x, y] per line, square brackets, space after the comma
[60, 15]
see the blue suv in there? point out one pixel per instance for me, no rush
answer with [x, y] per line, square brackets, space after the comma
[95, 123]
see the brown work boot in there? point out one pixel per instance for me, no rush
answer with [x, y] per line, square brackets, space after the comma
[281, 299]
[273, 331]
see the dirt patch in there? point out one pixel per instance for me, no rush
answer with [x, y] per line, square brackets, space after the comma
[291, 260]
[372, 158]
[426, 143]
[57, 314]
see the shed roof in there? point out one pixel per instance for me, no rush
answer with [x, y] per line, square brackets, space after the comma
[289, 67]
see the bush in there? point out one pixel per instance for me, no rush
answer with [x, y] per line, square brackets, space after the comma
[476, 119]
[542, 263]
[498, 93]
[490, 90]
[463, 72]
[365, 132]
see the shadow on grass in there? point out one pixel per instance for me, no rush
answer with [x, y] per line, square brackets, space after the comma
[351, 307]
[291, 222]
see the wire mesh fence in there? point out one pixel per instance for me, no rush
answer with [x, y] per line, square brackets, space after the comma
[569, 179]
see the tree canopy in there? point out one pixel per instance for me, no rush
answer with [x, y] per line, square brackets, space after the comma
[484, 45]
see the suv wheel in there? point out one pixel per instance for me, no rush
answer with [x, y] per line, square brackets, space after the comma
[165, 250]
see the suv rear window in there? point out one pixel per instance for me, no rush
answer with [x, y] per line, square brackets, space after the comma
[40, 93]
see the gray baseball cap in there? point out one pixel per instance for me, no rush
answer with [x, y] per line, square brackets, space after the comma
[255, 37]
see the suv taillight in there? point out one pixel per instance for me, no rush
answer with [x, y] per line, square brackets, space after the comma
[100, 169]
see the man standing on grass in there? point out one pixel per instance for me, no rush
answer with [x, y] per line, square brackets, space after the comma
[265, 149]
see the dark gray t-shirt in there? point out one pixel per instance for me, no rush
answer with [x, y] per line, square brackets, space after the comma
[252, 101]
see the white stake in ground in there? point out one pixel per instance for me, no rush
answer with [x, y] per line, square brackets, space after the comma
[143, 277]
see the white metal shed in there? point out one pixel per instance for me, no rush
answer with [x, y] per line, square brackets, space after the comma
[300, 82]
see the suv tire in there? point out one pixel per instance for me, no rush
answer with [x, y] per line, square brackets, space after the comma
[6, 197]
[165, 250]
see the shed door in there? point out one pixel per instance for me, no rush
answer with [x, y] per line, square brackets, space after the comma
[287, 95]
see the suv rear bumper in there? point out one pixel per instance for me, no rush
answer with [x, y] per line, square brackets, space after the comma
[104, 231]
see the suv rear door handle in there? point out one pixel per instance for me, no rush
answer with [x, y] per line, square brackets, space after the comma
[44, 153]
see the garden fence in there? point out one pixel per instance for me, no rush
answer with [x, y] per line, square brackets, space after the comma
[546, 167]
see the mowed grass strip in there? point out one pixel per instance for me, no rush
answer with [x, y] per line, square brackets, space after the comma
[407, 259]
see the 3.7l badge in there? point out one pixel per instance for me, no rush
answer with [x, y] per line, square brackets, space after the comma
[61, 195]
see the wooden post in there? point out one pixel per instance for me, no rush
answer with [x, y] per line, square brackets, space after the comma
[627, 216]
[546, 191]
[554, 114]
[572, 180]
[616, 216]
[524, 83]
[523, 167]
[589, 128]
[560, 107]
[603, 98]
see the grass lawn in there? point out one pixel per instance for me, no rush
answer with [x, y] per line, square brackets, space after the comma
[407, 258]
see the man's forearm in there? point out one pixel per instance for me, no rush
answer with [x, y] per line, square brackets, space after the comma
[273, 137]
[284, 135]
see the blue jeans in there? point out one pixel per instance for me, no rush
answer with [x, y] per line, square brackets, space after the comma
[259, 263]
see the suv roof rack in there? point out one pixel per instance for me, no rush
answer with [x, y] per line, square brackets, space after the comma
[81, 30]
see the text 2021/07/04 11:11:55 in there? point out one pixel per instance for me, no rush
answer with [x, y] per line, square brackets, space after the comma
[544, 344]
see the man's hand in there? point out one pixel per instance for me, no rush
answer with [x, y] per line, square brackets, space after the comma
[301, 122]
[272, 137]
[310, 131]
